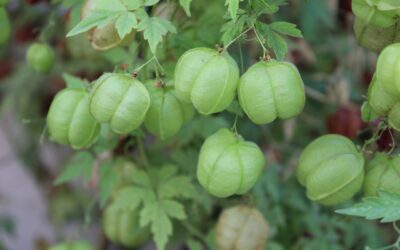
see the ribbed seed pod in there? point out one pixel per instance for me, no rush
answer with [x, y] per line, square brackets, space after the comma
[120, 100]
[370, 14]
[331, 169]
[229, 165]
[206, 78]
[240, 228]
[105, 37]
[387, 69]
[270, 90]
[375, 38]
[383, 174]
[77, 245]
[384, 103]
[122, 226]
[167, 113]
[5, 28]
[69, 121]
[40, 57]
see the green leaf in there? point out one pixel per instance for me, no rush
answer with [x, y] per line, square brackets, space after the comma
[186, 6]
[132, 4]
[97, 18]
[130, 198]
[74, 82]
[161, 226]
[109, 5]
[150, 2]
[233, 7]
[125, 23]
[154, 28]
[141, 178]
[194, 245]
[108, 182]
[278, 44]
[81, 164]
[286, 28]
[385, 207]
[178, 186]
[174, 209]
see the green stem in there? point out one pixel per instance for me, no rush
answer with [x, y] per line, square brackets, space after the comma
[142, 152]
[145, 64]
[239, 36]
[195, 232]
[265, 50]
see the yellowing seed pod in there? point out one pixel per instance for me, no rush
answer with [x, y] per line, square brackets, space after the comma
[69, 121]
[120, 100]
[331, 169]
[122, 226]
[229, 165]
[383, 174]
[242, 227]
[206, 78]
[368, 12]
[387, 69]
[167, 113]
[105, 37]
[270, 90]
[384, 103]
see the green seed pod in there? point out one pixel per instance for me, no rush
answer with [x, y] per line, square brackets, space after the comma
[69, 120]
[120, 100]
[78, 245]
[5, 28]
[229, 165]
[125, 169]
[331, 169]
[40, 57]
[122, 226]
[241, 228]
[270, 90]
[373, 37]
[368, 12]
[384, 103]
[383, 174]
[367, 113]
[167, 113]
[387, 69]
[206, 78]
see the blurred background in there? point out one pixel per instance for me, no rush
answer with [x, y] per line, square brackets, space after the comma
[34, 213]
